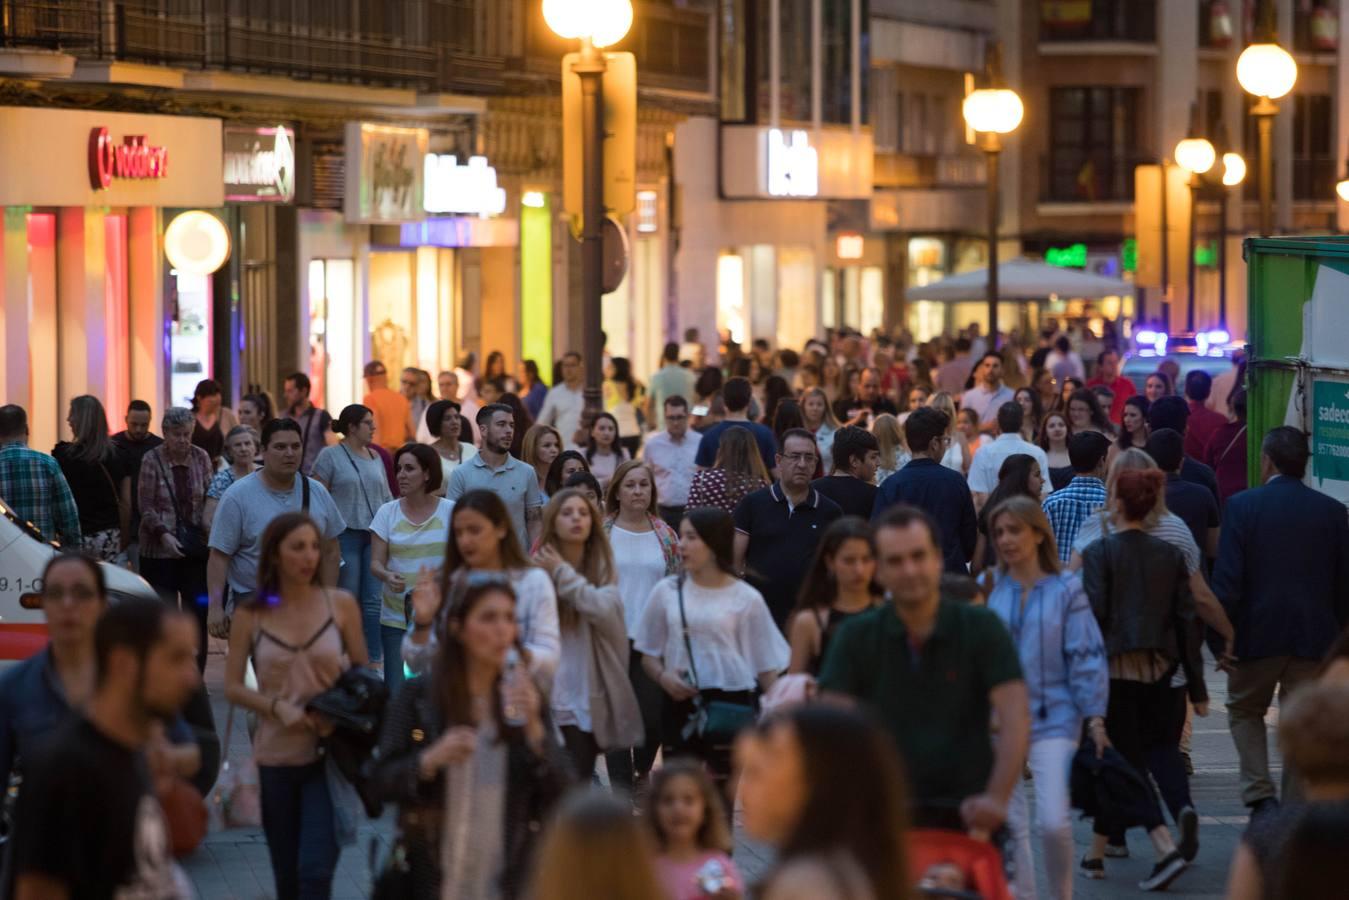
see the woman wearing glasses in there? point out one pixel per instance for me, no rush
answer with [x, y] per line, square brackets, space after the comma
[483, 540]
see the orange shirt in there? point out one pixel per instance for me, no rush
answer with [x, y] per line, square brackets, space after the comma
[393, 415]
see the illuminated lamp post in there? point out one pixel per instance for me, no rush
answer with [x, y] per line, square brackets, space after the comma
[1194, 154]
[1267, 72]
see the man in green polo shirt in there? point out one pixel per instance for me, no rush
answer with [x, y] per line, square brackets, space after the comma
[933, 671]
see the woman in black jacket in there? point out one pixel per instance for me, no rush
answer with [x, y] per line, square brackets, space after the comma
[468, 755]
[1139, 589]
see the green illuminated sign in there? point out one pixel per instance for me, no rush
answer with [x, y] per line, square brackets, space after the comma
[1128, 254]
[1074, 257]
[1206, 256]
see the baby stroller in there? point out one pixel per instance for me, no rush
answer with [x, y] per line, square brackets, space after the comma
[954, 866]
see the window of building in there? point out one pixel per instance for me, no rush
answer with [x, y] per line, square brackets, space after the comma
[1098, 20]
[1313, 139]
[1094, 144]
[1315, 26]
[795, 69]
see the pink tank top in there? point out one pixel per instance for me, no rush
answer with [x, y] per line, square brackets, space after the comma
[296, 674]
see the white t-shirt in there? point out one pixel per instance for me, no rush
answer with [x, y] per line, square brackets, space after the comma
[562, 409]
[571, 686]
[1170, 528]
[412, 547]
[992, 454]
[731, 630]
[641, 565]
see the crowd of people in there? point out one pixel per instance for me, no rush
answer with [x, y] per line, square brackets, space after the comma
[885, 596]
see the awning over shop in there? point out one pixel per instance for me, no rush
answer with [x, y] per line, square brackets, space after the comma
[1022, 279]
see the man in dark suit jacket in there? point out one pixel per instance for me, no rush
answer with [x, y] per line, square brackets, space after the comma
[1283, 577]
[925, 483]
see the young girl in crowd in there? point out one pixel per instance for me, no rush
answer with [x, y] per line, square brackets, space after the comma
[968, 424]
[958, 455]
[1018, 477]
[1085, 414]
[603, 453]
[1133, 424]
[693, 835]
[541, 446]
[1032, 411]
[594, 849]
[592, 700]
[841, 583]
[820, 421]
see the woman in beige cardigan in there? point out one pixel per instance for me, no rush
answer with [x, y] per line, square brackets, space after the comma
[592, 701]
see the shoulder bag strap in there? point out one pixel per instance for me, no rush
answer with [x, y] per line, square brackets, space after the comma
[304, 436]
[116, 494]
[304, 492]
[360, 479]
[1240, 434]
[688, 647]
[173, 495]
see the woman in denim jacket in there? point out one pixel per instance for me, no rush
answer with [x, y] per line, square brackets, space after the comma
[1063, 658]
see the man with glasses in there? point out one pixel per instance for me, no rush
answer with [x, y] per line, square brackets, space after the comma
[393, 413]
[778, 527]
[671, 453]
[928, 485]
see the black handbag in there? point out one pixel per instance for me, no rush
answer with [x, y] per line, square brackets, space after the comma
[715, 721]
[394, 881]
[192, 539]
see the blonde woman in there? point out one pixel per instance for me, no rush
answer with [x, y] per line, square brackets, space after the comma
[958, 456]
[592, 700]
[818, 414]
[894, 451]
[541, 446]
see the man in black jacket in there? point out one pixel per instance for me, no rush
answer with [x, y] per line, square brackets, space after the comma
[1283, 577]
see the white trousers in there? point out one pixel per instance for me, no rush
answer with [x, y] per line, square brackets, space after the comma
[1051, 762]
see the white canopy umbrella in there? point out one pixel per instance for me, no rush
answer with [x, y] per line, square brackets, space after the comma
[1022, 279]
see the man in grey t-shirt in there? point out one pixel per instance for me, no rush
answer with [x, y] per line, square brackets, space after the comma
[495, 470]
[250, 505]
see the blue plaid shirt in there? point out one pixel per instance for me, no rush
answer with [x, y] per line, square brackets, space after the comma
[1067, 509]
[35, 488]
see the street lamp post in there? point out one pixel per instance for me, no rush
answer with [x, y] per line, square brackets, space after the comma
[1234, 173]
[993, 111]
[1267, 72]
[596, 24]
[1195, 155]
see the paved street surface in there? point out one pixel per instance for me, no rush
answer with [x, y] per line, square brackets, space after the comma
[232, 865]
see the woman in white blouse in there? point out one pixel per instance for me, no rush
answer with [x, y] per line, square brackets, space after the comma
[592, 700]
[645, 551]
[446, 424]
[737, 649]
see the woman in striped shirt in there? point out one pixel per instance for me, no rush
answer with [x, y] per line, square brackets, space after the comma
[408, 537]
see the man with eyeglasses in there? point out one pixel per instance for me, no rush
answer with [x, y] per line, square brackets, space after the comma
[671, 453]
[393, 413]
[938, 491]
[777, 528]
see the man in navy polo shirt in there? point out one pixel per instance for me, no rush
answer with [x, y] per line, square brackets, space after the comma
[778, 527]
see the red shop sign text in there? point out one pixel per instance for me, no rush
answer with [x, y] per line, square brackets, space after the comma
[131, 159]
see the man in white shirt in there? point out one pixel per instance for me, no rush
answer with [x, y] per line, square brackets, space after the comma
[988, 393]
[670, 454]
[565, 403]
[992, 454]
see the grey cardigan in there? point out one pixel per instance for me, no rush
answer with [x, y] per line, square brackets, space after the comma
[614, 715]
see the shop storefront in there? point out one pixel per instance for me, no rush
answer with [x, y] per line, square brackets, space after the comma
[756, 265]
[419, 266]
[86, 304]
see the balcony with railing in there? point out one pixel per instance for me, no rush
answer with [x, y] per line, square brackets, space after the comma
[421, 44]
[920, 171]
[1090, 176]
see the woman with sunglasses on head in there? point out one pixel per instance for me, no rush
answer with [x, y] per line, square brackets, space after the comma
[483, 540]
[299, 637]
[645, 551]
[467, 752]
[592, 701]
[708, 637]
[408, 536]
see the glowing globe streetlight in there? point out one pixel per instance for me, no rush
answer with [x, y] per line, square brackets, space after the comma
[1195, 155]
[992, 111]
[1234, 169]
[1266, 71]
[1342, 188]
[596, 24]
[602, 22]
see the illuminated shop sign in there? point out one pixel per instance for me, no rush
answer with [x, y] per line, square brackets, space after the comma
[793, 164]
[259, 165]
[133, 159]
[470, 190]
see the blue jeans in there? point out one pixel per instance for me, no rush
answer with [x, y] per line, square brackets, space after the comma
[392, 639]
[298, 821]
[356, 579]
